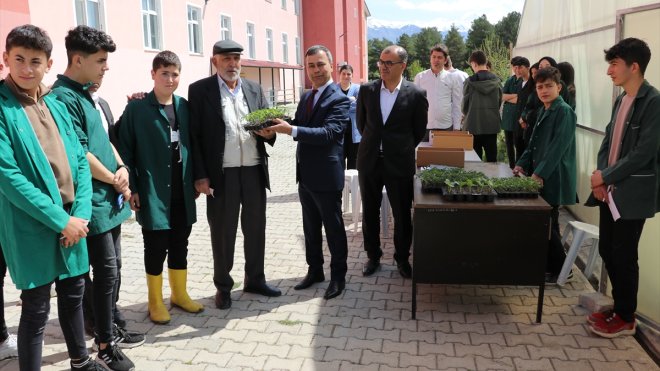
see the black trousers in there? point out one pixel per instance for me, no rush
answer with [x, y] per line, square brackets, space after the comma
[400, 193]
[486, 143]
[102, 249]
[244, 192]
[100, 257]
[34, 315]
[168, 243]
[556, 253]
[3, 272]
[515, 145]
[323, 209]
[618, 246]
[350, 148]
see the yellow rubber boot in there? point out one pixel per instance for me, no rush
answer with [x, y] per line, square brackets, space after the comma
[180, 298]
[157, 311]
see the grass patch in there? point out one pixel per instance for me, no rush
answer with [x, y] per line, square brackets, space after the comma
[287, 322]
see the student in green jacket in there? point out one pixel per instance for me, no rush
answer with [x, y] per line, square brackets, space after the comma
[509, 123]
[550, 159]
[627, 177]
[45, 200]
[153, 130]
[8, 346]
[87, 53]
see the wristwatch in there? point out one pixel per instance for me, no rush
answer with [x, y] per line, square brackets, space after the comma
[124, 166]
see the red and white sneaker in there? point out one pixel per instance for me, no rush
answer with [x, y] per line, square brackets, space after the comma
[599, 316]
[614, 326]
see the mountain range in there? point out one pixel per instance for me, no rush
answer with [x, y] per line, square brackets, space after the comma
[377, 29]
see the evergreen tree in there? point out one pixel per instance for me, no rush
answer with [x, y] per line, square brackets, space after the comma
[507, 28]
[424, 41]
[456, 46]
[478, 32]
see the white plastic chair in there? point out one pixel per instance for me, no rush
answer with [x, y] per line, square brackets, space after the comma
[581, 231]
[352, 190]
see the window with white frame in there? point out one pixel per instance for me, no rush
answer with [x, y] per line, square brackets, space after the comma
[251, 43]
[285, 48]
[90, 13]
[225, 27]
[269, 43]
[194, 29]
[151, 24]
[298, 55]
[284, 4]
[296, 7]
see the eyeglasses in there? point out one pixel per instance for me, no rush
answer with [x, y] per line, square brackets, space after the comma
[388, 64]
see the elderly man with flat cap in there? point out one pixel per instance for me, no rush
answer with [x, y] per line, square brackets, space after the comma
[231, 169]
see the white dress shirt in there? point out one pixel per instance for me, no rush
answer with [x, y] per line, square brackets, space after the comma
[387, 99]
[240, 145]
[104, 121]
[444, 92]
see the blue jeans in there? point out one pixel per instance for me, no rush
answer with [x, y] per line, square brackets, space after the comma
[34, 315]
[101, 249]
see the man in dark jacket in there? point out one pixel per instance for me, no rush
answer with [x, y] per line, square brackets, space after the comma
[626, 183]
[392, 115]
[231, 168]
[482, 95]
[319, 124]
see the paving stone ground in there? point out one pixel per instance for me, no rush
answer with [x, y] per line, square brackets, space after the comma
[369, 327]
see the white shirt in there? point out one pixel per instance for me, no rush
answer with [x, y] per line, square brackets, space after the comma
[461, 75]
[240, 145]
[294, 129]
[104, 121]
[387, 99]
[444, 92]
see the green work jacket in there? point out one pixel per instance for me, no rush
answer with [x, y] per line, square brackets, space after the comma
[551, 154]
[88, 125]
[30, 202]
[636, 175]
[510, 112]
[145, 147]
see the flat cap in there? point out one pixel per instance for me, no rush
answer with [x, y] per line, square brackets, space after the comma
[227, 46]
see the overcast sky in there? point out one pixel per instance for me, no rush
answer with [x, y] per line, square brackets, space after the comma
[439, 13]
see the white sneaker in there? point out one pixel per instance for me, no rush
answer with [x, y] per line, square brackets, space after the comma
[9, 348]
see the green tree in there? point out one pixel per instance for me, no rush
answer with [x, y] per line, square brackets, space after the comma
[507, 28]
[375, 46]
[424, 41]
[498, 55]
[478, 32]
[413, 69]
[456, 46]
[408, 42]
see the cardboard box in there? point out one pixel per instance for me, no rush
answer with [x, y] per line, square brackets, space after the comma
[429, 155]
[451, 139]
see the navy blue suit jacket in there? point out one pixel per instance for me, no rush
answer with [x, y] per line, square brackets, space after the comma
[320, 140]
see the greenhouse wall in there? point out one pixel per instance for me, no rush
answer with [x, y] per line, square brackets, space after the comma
[578, 32]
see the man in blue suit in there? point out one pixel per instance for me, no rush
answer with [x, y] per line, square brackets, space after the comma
[319, 125]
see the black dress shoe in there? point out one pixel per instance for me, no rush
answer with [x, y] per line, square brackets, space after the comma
[334, 289]
[310, 279]
[262, 289]
[370, 267]
[405, 270]
[222, 300]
